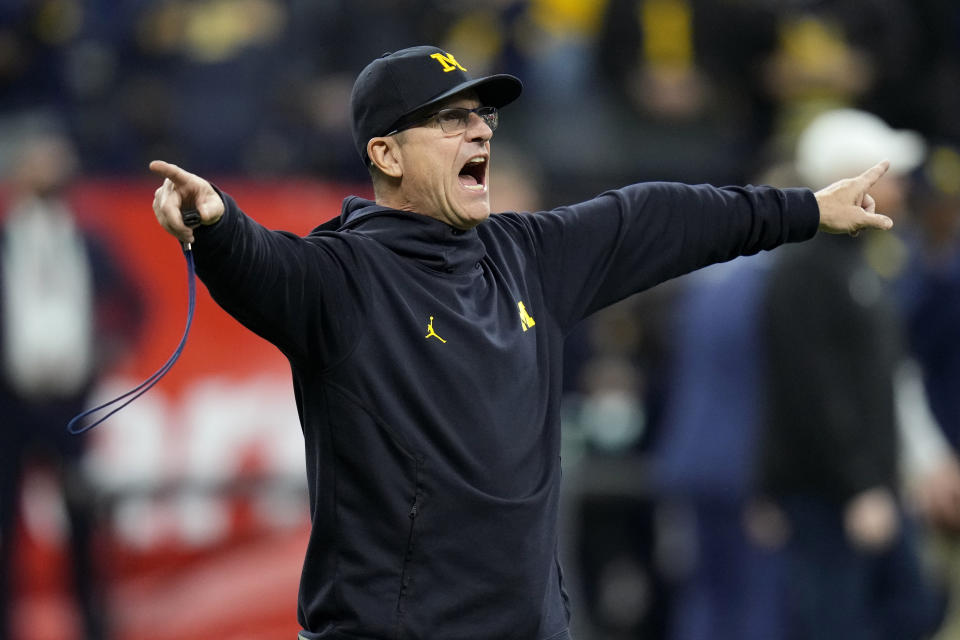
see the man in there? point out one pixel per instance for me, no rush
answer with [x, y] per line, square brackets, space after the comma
[68, 312]
[929, 293]
[433, 464]
[831, 442]
[705, 457]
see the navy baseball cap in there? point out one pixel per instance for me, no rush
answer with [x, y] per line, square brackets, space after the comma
[400, 83]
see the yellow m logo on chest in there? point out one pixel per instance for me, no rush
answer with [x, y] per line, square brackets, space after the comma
[448, 61]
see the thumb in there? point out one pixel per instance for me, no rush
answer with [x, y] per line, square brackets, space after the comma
[877, 221]
[210, 206]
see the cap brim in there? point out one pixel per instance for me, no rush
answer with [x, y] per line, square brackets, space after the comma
[493, 91]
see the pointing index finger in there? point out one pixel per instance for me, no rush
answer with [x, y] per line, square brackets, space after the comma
[174, 173]
[874, 173]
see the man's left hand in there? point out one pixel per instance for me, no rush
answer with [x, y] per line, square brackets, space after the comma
[846, 207]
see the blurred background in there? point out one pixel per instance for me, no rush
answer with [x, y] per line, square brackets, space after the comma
[765, 449]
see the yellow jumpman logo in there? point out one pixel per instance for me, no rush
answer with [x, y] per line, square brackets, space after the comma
[432, 333]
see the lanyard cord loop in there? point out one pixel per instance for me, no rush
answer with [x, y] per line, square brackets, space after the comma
[147, 384]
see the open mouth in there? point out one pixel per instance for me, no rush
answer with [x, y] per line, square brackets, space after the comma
[473, 175]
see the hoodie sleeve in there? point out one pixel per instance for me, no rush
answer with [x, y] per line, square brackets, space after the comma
[600, 251]
[277, 284]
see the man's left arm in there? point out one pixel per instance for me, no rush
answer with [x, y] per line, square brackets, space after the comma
[597, 252]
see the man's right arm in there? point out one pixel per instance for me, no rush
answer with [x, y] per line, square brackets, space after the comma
[182, 190]
[270, 281]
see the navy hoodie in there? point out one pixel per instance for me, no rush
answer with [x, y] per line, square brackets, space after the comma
[426, 366]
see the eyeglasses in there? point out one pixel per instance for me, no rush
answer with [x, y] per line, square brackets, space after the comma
[455, 120]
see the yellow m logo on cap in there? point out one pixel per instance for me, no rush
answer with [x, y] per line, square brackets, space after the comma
[448, 61]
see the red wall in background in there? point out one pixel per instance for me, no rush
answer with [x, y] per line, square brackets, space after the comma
[123, 211]
[242, 582]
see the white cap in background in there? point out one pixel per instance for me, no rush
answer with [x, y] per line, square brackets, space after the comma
[845, 142]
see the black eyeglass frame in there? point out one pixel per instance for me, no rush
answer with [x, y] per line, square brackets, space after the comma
[489, 115]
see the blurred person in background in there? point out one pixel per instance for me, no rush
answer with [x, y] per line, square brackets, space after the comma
[930, 293]
[829, 452]
[679, 73]
[321, 58]
[67, 313]
[519, 184]
[930, 284]
[425, 339]
[732, 587]
[610, 520]
[933, 95]
[721, 88]
[830, 54]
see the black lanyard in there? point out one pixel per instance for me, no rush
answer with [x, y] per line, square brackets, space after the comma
[147, 384]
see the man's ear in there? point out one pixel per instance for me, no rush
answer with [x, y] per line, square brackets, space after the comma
[384, 153]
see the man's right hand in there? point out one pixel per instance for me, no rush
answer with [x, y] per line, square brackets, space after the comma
[182, 190]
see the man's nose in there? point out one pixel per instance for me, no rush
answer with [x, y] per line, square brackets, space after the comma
[477, 129]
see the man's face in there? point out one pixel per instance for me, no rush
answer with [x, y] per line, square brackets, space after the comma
[445, 176]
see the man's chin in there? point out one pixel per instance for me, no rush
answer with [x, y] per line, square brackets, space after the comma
[474, 214]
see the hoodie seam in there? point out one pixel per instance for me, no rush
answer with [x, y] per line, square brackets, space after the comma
[379, 421]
